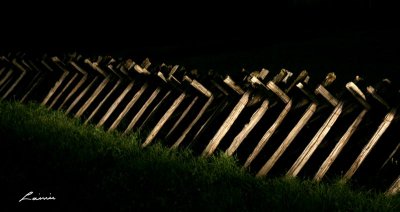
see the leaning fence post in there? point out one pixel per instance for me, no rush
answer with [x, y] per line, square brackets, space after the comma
[271, 86]
[115, 104]
[168, 113]
[360, 97]
[61, 66]
[320, 135]
[212, 145]
[78, 85]
[57, 85]
[267, 135]
[297, 128]
[203, 91]
[394, 188]
[370, 145]
[221, 107]
[134, 99]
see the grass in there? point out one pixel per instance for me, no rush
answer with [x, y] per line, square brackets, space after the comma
[86, 168]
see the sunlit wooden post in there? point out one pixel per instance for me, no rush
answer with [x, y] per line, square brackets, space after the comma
[214, 142]
[394, 188]
[115, 104]
[138, 94]
[171, 79]
[370, 145]
[99, 72]
[128, 64]
[259, 113]
[190, 85]
[78, 85]
[297, 128]
[207, 93]
[360, 97]
[142, 110]
[161, 74]
[320, 135]
[267, 135]
[215, 114]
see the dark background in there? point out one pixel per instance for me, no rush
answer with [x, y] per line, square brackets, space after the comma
[348, 37]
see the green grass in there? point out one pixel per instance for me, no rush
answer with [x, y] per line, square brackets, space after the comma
[86, 168]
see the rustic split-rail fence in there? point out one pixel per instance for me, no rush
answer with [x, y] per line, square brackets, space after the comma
[276, 123]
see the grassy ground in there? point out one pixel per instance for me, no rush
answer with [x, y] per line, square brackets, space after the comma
[84, 167]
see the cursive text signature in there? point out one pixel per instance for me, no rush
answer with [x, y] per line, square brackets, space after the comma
[30, 196]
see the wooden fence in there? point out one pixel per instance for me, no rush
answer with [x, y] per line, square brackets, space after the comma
[275, 123]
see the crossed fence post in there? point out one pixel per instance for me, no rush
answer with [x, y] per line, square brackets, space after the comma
[296, 129]
[79, 82]
[255, 118]
[177, 84]
[19, 77]
[214, 142]
[320, 135]
[267, 135]
[360, 97]
[387, 120]
[207, 93]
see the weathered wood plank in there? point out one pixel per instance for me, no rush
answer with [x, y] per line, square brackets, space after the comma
[56, 85]
[255, 118]
[228, 80]
[142, 109]
[267, 135]
[130, 104]
[103, 101]
[155, 109]
[90, 100]
[21, 76]
[394, 188]
[327, 95]
[78, 85]
[203, 90]
[281, 94]
[195, 120]
[357, 93]
[164, 119]
[69, 83]
[376, 96]
[115, 104]
[93, 65]
[368, 147]
[182, 116]
[212, 145]
[73, 91]
[339, 146]
[79, 97]
[221, 107]
[315, 141]
[288, 140]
